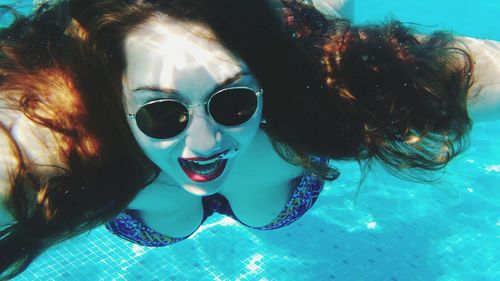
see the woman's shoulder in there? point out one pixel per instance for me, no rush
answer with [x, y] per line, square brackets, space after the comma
[23, 137]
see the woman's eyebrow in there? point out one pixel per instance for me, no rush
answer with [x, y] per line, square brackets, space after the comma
[236, 77]
[170, 91]
[167, 91]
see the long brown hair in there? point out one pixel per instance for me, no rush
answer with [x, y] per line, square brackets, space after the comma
[385, 94]
[49, 77]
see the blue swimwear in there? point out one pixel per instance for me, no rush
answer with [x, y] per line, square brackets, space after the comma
[128, 225]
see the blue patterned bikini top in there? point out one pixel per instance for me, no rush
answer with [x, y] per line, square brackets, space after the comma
[129, 226]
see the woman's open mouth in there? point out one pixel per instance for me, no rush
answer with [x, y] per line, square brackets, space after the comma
[203, 169]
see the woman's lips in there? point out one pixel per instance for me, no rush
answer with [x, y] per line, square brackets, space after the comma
[200, 169]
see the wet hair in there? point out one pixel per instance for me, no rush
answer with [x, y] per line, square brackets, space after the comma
[385, 94]
[331, 90]
[47, 76]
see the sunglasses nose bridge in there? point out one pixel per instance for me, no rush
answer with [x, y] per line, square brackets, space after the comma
[198, 110]
[193, 108]
[203, 135]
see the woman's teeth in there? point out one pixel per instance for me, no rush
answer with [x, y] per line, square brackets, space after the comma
[205, 170]
[203, 167]
[204, 162]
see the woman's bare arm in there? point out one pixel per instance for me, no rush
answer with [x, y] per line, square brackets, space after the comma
[335, 8]
[40, 146]
[7, 162]
[484, 97]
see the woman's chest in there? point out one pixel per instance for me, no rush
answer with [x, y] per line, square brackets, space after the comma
[257, 190]
[254, 202]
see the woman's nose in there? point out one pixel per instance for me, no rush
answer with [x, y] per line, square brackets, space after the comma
[203, 136]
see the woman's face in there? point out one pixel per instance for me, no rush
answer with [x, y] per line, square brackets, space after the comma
[168, 59]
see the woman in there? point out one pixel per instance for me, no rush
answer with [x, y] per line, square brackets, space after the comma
[183, 86]
[194, 107]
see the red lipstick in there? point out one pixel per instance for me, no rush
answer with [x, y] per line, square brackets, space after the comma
[204, 169]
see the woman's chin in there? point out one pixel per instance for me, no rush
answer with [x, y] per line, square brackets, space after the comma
[198, 190]
[205, 188]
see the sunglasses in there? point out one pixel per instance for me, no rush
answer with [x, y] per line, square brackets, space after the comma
[167, 118]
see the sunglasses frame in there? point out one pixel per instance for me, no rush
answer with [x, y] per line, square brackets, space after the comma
[189, 108]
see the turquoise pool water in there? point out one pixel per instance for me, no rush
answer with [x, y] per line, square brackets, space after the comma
[396, 230]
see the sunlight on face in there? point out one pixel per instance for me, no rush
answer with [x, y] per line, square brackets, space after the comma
[184, 61]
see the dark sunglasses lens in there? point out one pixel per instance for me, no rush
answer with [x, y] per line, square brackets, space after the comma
[163, 119]
[233, 107]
